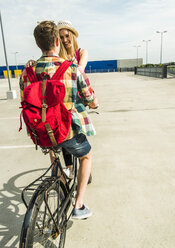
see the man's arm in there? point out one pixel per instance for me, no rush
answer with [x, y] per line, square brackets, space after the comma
[85, 90]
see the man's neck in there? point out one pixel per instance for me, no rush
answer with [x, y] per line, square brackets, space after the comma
[51, 53]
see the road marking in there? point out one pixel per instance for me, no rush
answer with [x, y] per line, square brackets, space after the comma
[3, 101]
[9, 118]
[11, 241]
[16, 147]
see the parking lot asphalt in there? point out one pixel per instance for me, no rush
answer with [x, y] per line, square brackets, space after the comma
[133, 188]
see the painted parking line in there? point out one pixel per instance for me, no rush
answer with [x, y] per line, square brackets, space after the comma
[9, 118]
[11, 241]
[16, 147]
[4, 101]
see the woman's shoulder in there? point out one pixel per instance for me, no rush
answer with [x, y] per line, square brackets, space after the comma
[83, 51]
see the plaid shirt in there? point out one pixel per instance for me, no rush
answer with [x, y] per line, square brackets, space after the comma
[74, 82]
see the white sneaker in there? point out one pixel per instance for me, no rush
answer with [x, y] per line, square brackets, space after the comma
[69, 173]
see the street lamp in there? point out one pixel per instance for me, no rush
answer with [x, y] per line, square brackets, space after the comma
[161, 32]
[16, 63]
[137, 46]
[146, 49]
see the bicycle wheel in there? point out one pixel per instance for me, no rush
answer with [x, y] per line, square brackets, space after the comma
[43, 225]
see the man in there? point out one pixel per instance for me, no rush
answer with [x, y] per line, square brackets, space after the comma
[47, 38]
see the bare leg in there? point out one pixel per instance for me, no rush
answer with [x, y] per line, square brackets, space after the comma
[83, 177]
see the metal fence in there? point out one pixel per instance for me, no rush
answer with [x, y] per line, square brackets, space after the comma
[171, 70]
[159, 72]
[109, 70]
[125, 69]
[100, 70]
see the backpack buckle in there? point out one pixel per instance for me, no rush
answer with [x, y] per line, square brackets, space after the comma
[44, 76]
[50, 131]
[44, 105]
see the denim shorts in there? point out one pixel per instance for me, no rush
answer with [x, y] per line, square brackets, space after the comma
[78, 145]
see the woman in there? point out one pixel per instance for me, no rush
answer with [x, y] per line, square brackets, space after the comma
[69, 49]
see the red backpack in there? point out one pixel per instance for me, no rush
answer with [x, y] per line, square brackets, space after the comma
[47, 119]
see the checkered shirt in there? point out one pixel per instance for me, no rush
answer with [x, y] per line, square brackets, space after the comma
[74, 81]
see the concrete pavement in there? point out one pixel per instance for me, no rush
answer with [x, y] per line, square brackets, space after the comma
[132, 194]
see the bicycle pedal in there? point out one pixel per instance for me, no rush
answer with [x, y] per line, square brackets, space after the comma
[74, 194]
[47, 231]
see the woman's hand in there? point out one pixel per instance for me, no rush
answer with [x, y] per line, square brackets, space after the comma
[30, 63]
[94, 104]
[73, 60]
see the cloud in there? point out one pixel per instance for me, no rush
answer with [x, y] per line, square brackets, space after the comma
[108, 29]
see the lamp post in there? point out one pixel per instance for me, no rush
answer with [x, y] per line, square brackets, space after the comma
[161, 45]
[11, 94]
[15, 53]
[146, 41]
[137, 46]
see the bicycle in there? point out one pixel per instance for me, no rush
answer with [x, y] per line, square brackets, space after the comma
[48, 211]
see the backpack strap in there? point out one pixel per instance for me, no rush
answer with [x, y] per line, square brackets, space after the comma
[50, 134]
[77, 53]
[31, 74]
[61, 70]
[44, 103]
[33, 78]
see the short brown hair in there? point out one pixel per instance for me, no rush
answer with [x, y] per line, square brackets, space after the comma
[45, 34]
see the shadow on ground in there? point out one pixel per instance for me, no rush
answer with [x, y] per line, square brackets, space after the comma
[132, 110]
[11, 218]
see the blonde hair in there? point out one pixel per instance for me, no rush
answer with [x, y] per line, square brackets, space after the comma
[63, 53]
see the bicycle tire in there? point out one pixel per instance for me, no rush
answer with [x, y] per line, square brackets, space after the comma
[36, 231]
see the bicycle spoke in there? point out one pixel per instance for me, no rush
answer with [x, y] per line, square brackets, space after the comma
[48, 221]
[46, 218]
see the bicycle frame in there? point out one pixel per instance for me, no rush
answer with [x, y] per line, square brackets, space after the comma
[58, 177]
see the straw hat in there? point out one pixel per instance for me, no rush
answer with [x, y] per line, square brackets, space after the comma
[67, 25]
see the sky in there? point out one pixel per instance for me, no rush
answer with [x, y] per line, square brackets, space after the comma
[108, 29]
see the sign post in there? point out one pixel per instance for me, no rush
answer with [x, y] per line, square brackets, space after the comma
[11, 94]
